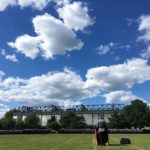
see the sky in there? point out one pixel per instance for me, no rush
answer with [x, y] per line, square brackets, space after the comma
[69, 52]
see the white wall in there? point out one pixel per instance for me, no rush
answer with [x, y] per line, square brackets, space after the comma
[90, 119]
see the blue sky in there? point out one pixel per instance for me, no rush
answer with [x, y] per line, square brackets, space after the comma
[67, 52]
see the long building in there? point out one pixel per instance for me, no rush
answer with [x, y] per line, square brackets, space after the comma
[91, 113]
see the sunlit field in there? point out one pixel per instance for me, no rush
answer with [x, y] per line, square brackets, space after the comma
[71, 142]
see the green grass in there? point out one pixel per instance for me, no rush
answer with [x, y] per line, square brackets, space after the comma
[71, 142]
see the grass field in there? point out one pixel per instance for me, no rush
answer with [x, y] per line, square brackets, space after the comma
[71, 142]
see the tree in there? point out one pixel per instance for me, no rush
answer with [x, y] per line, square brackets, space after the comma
[20, 124]
[9, 114]
[114, 120]
[71, 120]
[148, 118]
[117, 120]
[7, 122]
[137, 115]
[53, 123]
[32, 121]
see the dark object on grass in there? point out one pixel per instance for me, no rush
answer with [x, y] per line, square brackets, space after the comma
[125, 141]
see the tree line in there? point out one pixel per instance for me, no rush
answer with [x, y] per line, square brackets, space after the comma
[32, 121]
[136, 115]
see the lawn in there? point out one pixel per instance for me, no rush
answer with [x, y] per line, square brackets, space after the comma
[71, 142]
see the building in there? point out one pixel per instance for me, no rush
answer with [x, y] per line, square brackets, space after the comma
[91, 113]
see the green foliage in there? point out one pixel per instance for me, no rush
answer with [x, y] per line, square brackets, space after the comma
[114, 121]
[137, 115]
[7, 122]
[72, 120]
[32, 121]
[147, 116]
[9, 114]
[20, 124]
[53, 123]
[118, 121]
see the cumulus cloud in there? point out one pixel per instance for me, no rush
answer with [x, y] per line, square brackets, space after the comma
[121, 76]
[120, 97]
[9, 57]
[37, 4]
[62, 2]
[68, 88]
[24, 45]
[61, 88]
[3, 109]
[75, 15]
[53, 38]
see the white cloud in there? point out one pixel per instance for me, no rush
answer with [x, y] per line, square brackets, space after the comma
[68, 88]
[62, 2]
[146, 53]
[9, 57]
[63, 88]
[144, 29]
[24, 45]
[120, 97]
[37, 4]
[12, 58]
[50, 31]
[53, 38]
[75, 15]
[110, 47]
[5, 3]
[134, 71]
[104, 49]
[3, 109]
